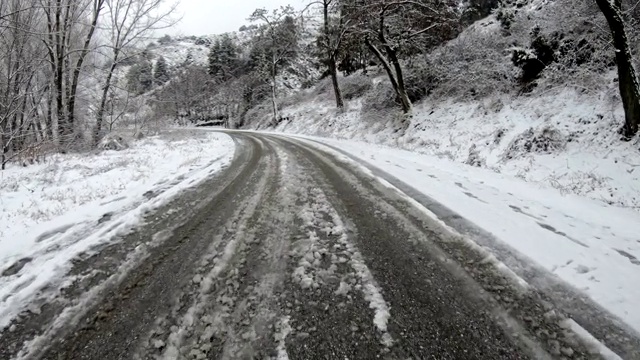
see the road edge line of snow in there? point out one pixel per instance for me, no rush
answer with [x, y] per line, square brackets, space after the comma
[591, 340]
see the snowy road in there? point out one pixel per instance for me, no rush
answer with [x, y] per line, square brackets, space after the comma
[291, 253]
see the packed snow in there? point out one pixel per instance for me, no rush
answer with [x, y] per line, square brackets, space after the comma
[589, 244]
[53, 211]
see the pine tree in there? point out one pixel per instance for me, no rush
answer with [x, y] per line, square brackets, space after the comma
[146, 76]
[223, 58]
[133, 78]
[161, 72]
[140, 77]
[189, 59]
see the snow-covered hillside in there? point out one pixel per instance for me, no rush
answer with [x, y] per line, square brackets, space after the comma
[561, 131]
[564, 140]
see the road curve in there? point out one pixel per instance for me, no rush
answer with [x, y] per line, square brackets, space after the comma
[291, 253]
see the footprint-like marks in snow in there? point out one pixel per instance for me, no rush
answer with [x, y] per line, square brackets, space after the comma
[519, 210]
[553, 230]
[474, 197]
[634, 260]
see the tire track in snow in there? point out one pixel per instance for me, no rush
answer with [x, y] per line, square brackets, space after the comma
[347, 315]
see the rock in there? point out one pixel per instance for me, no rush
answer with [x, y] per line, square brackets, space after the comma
[158, 344]
[197, 279]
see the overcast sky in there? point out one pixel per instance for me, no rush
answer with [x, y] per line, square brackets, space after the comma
[204, 17]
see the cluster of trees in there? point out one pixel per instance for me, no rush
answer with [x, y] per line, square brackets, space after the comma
[58, 61]
[357, 33]
[52, 52]
[353, 35]
[237, 76]
[397, 30]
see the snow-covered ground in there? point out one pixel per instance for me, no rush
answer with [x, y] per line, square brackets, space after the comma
[51, 212]
[564, 139]
[591, 245]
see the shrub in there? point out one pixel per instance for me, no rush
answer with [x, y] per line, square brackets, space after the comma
[355, 86]
[420, 81]
[382, 97]
[546, 140]
[473, 65]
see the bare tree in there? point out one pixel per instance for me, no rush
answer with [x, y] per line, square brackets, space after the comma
[627, 76]
[390, 27]
[185, 96]
[333, 32]
[279, 43]
[71, 25]
[129, 22]
[20, 90]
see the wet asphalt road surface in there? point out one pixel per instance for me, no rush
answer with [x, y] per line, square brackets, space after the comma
[291, 253]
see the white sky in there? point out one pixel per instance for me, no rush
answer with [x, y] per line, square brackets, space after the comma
[204, 17]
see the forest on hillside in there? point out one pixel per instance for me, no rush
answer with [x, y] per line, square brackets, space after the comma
[71, 71]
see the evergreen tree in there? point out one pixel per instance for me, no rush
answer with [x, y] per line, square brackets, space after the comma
[223, 58]
[133, 78]
[140, 77]
[161, 72]
[189, 60]
[146, 76]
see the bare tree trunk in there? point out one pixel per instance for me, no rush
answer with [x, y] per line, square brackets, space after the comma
[402, 89]
[400, 92]
[333, 69]
[395, 73]
[71, 101]
[103, 101]
[274, 100]
[331, 57]
[627, 77]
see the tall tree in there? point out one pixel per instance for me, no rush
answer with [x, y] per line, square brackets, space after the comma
[278, 43]
[223, 58]
[330, 40]
[68, 41]
[391, 28]
[130, 21]
[627, 76]
[21, 89]
[161, 71]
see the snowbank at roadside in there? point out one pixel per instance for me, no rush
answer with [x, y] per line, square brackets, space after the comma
[51, 212]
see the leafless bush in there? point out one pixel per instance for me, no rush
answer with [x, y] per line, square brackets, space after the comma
[381, 97]
[578, 34]
[355, 86]
[474, 65]
[542, 141]
[258, 116]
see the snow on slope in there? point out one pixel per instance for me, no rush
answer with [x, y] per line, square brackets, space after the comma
[51, 212]
[563, 139]
[591, 245]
